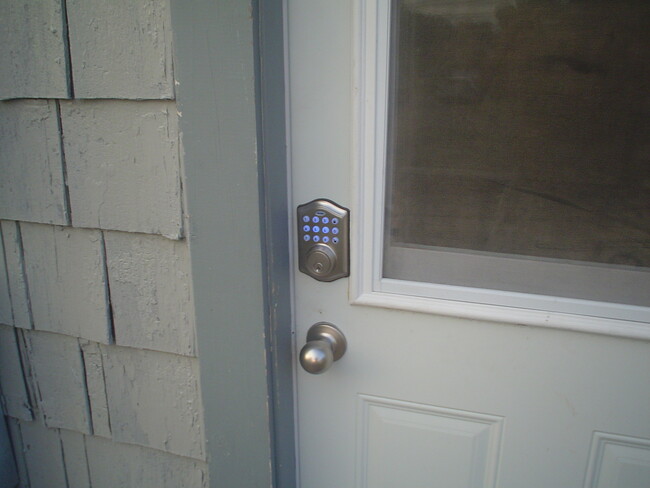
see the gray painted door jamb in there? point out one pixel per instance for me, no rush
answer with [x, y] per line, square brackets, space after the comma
[229, 70]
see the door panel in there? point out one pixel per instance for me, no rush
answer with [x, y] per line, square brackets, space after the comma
[425, 400]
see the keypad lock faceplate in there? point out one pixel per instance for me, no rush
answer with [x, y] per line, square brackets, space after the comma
[323, 240]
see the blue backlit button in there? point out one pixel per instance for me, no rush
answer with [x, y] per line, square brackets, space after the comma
[316, 238]
[306, 237]
[326, 230]
[315, 228]
[335, 221]
[326, 239]
[335, 240]
[325, 220]
[335, 230]
[305, 218]
[315, 220]
[320, 213]
[306, 228]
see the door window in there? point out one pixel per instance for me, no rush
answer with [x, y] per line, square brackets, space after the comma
[522, 131]
[517, 142]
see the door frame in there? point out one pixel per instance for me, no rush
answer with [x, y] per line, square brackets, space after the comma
[230, 91]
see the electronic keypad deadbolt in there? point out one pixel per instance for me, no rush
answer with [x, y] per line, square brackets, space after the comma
[323, 240]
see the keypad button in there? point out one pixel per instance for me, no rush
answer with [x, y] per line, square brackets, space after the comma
[335, 240]
[335, 221]
[316, 239]
[326, 239]
[305, 218]
[335, 230]
[315, 228]
[326, 230]
[325, 220]
[315, 220]
[306, 237]
[305, 228]
[320, 213]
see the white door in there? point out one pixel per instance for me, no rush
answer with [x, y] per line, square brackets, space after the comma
[457, 373]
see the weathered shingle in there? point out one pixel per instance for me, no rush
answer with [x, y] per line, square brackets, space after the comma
[67, 280]
[32, 185]
[123, 165]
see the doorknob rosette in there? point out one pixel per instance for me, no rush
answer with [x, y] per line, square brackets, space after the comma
[325, 344]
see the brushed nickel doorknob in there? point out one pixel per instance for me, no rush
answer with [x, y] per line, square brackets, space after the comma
[325, 344]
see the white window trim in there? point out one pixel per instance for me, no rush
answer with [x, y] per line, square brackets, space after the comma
[367, 287]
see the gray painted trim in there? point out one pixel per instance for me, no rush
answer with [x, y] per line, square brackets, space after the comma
[274, 197]
[214, 67]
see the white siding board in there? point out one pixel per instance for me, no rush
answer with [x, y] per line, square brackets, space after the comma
[32, 50]
[149, 279]
[74, 454]
[16, 274]
[141, 467]
[58, 370]
[67, 282]
[96, 388]
[32, 185]
[123, 165]
[6, 315]
[154, 400]
[15, 398]
[43, 456]
[121, 49]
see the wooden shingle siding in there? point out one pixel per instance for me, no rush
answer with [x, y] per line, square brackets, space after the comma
[76, 464]
[98, 368]
[121, 49]
[32, 50]
[141, 467]
[6, 316]
[41, 448]
[150, 292]
[32, 186]
[58, 370]
[17, 283]
[67, 281]
[123, 165]
[94, 366]
[154, 400]
[14, 395]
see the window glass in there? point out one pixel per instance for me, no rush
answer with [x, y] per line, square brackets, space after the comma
[519, 138]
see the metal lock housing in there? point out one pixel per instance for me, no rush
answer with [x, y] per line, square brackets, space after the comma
[323, 240]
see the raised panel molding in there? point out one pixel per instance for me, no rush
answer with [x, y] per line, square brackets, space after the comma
[618, 461]
[402, 443]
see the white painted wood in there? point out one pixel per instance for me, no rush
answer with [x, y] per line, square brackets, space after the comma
[16, 274]
[113, 465]
[32, 187]
[154, 400]
[96, 386]
[67, 282]
[59, 374]
[402, 443]
[552, 387]
[32, 50]
[43, 455]
[121, 49]
[74, 454]
[15, 399]
[371, 81]
[618, 461]
[150, 292]
[123, 165]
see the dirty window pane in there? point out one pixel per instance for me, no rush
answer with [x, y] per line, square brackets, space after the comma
[521, 128]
